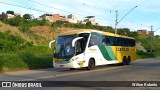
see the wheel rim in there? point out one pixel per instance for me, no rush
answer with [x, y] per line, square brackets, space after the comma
[128, 61]
[91, 64]
[124, 61]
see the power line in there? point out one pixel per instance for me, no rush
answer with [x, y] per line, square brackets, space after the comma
[157, 29]
[94, 6]
[140, 24]
[12, 4]
[64, 10]
[127, 14]
[7, 3]
[49, 6]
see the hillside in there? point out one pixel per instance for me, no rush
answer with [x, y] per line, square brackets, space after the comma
[40, 34]
[13, 31]
[37, 34]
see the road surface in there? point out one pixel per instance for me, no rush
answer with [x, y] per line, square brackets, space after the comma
[140, 70]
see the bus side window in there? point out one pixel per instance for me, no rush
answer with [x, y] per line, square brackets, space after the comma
[129, 43]
[123, 41]
[79, 48]
[111, 41]
[103, 40]
[91, 42]
[107, 41]
[81, 44]
[94, 40]
[115, 41]
[118, 42]
[132, 43]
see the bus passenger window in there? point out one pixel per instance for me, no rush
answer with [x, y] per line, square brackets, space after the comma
[94, 40]
[103, 40]
[107, 41]
[81, 44]
[111, 41]
[114, 41]
[79, 47]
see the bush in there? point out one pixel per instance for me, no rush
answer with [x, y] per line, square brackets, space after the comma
[11, 61]
[10, 42]
[23, 60]
[141, 54]
[16, 21]
[38, 23]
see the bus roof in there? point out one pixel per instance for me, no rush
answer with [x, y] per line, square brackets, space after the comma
[76, 32]
[92, 30]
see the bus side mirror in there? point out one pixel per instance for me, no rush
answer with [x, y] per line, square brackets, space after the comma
[74, 40]
[50, 43]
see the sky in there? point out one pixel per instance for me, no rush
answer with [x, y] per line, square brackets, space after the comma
[144, 16]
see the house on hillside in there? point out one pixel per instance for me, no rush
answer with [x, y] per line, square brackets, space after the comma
[91, 19]
[145, 32]
[72, 18]
[11, 14]
[52, 17]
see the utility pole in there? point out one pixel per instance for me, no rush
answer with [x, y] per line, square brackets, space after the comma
[151, 39]
[116, 22]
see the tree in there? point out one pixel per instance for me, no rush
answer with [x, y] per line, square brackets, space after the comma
[133, 34]
[89, 24]
[27, 16]
[3, 17]
[16, 21]
[124, 31]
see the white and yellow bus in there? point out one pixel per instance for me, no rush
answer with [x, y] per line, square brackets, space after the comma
[89, 48]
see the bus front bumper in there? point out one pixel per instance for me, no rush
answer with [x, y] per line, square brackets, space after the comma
[66, 65]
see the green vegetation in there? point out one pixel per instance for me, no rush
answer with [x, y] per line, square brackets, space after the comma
[24, 24]
[27, 16]
[10, 43]
[142, 55]
[145, 40]
[88, 25]
[17, 54]
[29, 58]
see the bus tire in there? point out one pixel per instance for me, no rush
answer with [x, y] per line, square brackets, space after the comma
[124, 61]
[72, 68]
[128, 60]
[91, 64]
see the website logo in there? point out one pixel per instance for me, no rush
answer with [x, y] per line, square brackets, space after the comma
[6, 84]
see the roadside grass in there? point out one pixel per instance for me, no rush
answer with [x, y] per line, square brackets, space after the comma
[143, 55]
[35, 57]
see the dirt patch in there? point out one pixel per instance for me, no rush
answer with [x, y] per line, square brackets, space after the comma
[140, 47]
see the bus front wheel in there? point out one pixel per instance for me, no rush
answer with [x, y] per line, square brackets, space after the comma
[91, 64]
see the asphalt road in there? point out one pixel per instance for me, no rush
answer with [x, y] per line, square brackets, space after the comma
[140, 70]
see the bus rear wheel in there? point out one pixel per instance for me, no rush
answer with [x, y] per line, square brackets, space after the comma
[124, 62]
[128, 60]
[91, 64]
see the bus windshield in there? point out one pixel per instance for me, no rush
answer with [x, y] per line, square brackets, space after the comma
[63, 47]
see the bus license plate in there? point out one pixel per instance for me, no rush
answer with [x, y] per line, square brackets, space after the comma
[61, 65]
